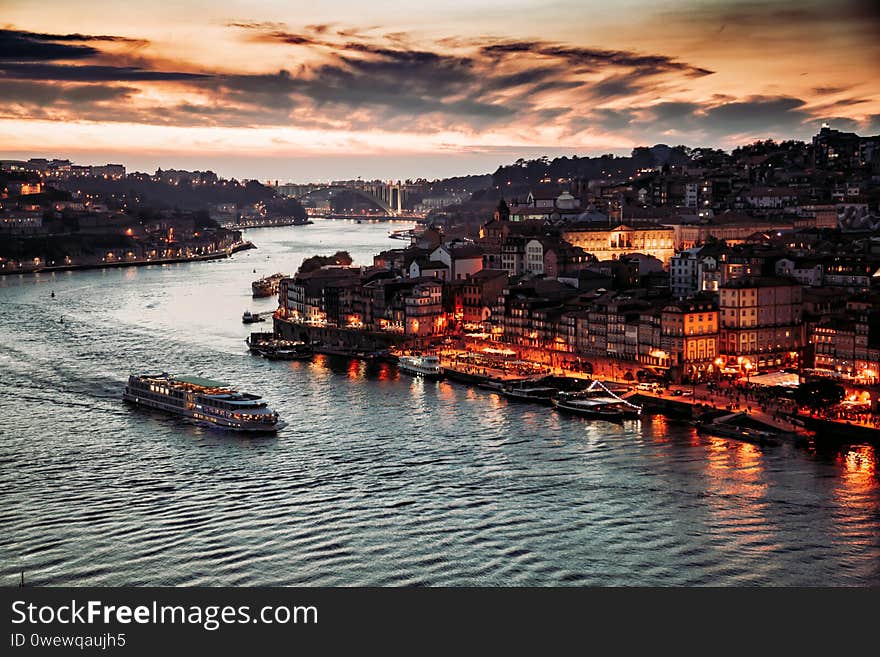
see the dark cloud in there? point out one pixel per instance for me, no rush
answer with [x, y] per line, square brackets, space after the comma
[276, 33]
[45, 100]
[713, 123]
[23, 46]
[592, 59]
[361, 82]
[454, 84]
[814, 20]
[758, 113]
[90, 73]
[39, 93]
[829, 91]
[27, 46]
[37, 56]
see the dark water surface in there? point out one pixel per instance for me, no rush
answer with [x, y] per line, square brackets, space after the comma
[378, 479]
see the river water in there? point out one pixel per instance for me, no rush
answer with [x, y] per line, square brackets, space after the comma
[378, 479]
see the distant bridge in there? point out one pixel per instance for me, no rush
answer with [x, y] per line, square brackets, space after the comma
[388, 196]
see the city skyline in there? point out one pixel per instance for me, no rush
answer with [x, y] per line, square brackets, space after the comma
[340, 93]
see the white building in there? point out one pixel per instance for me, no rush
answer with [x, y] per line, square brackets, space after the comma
[462, 258]
[683, 279]
[806, 272]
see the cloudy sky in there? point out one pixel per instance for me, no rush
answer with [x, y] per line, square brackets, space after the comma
[290, 90]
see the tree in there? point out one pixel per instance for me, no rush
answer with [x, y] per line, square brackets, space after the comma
[317, 261]
[819, 394]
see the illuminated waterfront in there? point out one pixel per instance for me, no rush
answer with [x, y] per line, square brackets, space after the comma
[378, 479]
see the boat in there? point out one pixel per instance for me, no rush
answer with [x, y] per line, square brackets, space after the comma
[526, 393]
[598, 402]
[464, 376]
[256, 342]
[250, 318]
[427, 367]
[299, 351]
[836, 430]
[740, 426]
[207, 402]
[722, 430]
[271, 347]
[268, 286]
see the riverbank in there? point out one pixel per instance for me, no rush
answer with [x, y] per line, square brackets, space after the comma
[140, 262]
[265, 223]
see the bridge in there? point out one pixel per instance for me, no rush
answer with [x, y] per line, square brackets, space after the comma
[387, 196]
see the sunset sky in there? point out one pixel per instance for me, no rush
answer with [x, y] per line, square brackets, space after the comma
[312, 91]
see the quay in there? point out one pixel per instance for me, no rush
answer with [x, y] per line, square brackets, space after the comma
[138, 262]
[265, 223]
[683, 402]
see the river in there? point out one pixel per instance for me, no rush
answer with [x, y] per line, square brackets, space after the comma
[378, 479]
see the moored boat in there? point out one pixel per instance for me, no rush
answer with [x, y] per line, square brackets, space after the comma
[268, 286]
[598, 408]
[828, 429]
[298, 351]
[207, 402]
[427, 367]
[534, 394]
[251, 318]
[598, 402]
[269, 346]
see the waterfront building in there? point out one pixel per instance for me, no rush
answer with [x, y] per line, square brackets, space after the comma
[689, 335]
[21, 223]
[761, 321]
[847, 347]
[423, 309]
[846, 342]
[301, 298]
[479, 293]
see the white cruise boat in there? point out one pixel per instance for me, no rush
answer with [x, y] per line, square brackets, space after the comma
[598, 402]
[424, 366]
[205, 401]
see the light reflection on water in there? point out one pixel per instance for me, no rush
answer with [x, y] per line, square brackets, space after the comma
[379, 478]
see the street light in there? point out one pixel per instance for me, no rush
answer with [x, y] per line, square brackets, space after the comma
[719, 363]
[747, 365]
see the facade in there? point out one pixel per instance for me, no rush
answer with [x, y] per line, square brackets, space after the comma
[462, 260]
[423, 310]
[761, 322]
[683, 273]
[479, 293]
[731, 228]
[804, 270]
[689, 331]
[846, 345]
[611, 243]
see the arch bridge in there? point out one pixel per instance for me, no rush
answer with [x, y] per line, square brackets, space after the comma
[388, 196]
